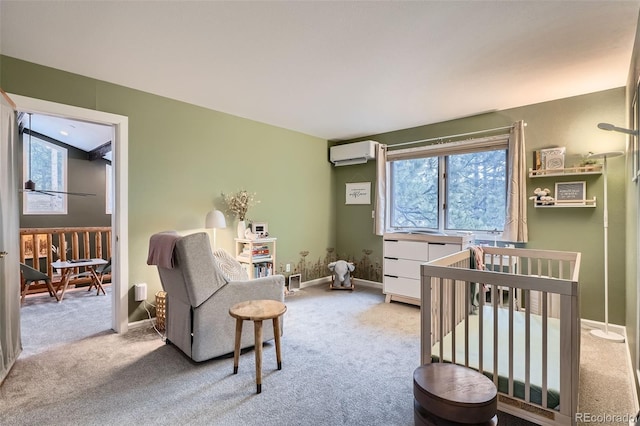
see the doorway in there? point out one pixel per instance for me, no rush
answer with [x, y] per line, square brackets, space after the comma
[119, 217]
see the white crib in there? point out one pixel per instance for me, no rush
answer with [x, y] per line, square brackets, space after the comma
[528, 300]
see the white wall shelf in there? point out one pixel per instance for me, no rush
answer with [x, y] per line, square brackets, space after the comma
[565, 204]
[594, 169]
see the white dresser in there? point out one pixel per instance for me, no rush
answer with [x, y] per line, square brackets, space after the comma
[403, 255]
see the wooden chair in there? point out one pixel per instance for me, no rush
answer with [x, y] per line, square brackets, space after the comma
[28, 276]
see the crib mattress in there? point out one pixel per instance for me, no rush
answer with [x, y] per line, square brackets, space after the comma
[535, 378]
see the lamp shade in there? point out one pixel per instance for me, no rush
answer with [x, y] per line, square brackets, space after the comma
[215, 219]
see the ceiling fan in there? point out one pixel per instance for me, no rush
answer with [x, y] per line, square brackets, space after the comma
[30, 185]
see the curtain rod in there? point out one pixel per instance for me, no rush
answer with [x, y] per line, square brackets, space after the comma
[452, 136]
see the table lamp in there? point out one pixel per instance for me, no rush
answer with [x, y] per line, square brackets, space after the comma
[215, 219]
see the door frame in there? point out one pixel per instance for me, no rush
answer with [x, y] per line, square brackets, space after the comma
[120, 217]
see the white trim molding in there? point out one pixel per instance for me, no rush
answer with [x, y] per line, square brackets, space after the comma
[119, 218]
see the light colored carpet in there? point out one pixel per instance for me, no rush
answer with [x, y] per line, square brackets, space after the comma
[348, 359]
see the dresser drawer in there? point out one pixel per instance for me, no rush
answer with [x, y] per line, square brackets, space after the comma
[412, 250]
[437, 251]
[402, 268]
[401, 286]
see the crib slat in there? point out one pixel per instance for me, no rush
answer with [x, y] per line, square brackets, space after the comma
[467, 309]
[483, 297]
[452, 317]
[441, 316]
[495, 335]
[545, 351]
[527, 347]
[510, 342]
[426, 316]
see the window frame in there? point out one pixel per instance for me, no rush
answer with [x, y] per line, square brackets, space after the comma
[442, 151]
[108, 198]
[27, 209]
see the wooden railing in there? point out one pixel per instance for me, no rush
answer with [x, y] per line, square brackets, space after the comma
[41, 246]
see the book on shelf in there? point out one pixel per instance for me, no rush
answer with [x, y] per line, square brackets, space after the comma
[255, 258]
[256, 251]
[537, 160]
[254, 246]
[263, 270]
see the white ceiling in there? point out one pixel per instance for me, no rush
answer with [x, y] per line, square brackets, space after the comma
[334, 69]
[80, 134]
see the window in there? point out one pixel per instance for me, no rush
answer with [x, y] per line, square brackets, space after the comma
[436, 189]
[46, 165]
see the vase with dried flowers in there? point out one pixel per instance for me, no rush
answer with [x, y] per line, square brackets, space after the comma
[237, 205]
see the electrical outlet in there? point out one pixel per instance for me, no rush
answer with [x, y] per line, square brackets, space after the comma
[141, 292]
[288, 267]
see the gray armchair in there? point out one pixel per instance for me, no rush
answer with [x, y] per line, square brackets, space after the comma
[199, 295]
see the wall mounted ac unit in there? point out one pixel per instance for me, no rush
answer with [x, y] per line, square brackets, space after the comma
[352, 153]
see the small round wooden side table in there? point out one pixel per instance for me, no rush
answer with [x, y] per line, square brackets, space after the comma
[450, 395]
[257, 311]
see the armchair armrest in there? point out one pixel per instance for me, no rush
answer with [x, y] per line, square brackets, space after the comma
[271, 287]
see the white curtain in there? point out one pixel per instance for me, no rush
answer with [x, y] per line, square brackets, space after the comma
[515, 227]
[381, 189]
[10, 345]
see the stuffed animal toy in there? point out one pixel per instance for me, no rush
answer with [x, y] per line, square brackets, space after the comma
[342, 272]
[542, 196]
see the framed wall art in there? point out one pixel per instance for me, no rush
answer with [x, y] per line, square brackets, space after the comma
[571, 193]
[553, 158]
[358, 193]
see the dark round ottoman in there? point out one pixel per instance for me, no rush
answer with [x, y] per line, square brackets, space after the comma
[453, 395]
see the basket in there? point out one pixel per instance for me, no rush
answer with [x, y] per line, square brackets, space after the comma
[161, 309]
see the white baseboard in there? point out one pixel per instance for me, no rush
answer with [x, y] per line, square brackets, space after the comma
[367, 283]
[620, 329]
[328, 279]
[322, 280]
[142, 323]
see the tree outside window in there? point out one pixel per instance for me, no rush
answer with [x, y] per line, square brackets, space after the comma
[46, 165]
[468, 194]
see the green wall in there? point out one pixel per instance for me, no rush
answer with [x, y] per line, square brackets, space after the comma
[182, 157]
[567, 122]
[633, 203]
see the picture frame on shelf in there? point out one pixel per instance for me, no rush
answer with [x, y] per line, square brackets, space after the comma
[553, 158]
[571, 193]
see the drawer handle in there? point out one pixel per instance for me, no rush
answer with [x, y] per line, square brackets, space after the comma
[391, 276]
[391, 241]
[392, 258]
[437, 244]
